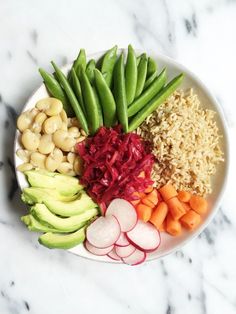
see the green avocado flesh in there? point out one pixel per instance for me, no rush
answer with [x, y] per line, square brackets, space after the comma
[65, 241]
[34, 225]
[61, 205]
[64, 224]
[65, 185]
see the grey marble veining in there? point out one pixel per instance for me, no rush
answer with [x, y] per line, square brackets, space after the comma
[200, 278]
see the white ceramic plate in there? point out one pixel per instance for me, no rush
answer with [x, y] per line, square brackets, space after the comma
[169, 244]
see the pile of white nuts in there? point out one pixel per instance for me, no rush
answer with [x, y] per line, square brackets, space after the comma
[48, 138]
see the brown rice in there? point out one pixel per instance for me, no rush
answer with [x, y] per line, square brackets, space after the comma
[185, 142]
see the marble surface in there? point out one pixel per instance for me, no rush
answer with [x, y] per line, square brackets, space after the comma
[201, 278]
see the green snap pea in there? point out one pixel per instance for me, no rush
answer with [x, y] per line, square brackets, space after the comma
[107, 65]
[152, 67]
[71, 96]
[150, 80]
[120, 93]
[138, 59]
[56, 91]
[90, 102]
[130, 75]
[98, 105]
[80, 61]
[77, 89]
[89, 70]
[106, 98]
[148, 94]
[155, 102]
[142, 73]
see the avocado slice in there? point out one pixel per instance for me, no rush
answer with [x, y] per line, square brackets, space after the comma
[34, 195]
[34, 225]
[66, 185]
[65, 241]
[64, 224]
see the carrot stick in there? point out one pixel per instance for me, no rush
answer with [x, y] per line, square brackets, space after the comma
[186, 206]
[176, 208]
[142, 174]
[159, 196]
[167, 192]
[152, 197]
[159, 215]
[198, 204]
[184, 196]
[144, 212]
[135, 202]
[147, 202]
[173, 227]
[141, 195]
[149, 189]
[190, 220]
[162, 227]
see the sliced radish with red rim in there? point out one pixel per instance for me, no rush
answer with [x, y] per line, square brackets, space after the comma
[144, 236]
[124, 251]
[136, 258]
[122, 241]
[124, 212]
[103, 232]
[96, 251]
[113, 255]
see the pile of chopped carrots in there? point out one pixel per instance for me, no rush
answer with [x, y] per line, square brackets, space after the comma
[169, 210]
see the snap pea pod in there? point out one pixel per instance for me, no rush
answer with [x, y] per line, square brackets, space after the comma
[155, 102]
[120, 93]
[98, 105]
[142, 73]
[130, 75]
[90, 102]
[56, 91]
[107, 65]
[138, 59]
[80, 61]
[71, 96]
[152, 67]
[77, 89]
[107, 99]
[89, 70]
[150, 80]
[148, 94]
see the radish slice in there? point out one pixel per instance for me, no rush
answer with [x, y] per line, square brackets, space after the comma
[124, 251]
[144, 236]
[103, 232]
[113, 255]
[122, 241]
[136, 258]
[124, 212]
[94, 250]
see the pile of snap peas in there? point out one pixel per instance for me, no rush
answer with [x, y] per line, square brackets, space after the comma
[110, 90]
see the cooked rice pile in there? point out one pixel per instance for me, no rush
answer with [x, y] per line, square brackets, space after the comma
[185, 143]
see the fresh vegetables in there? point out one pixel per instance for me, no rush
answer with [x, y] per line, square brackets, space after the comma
[120, 93]
[112, 164]
[141, 74]
[130, 75]
[108, 63]
[151, 67]
[155, 102]
[104, 235]
[52, 194]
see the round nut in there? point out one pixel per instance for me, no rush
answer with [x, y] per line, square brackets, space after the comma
[64, 126]
[30, 140]
[63, 140]
[38, 160]
[46, 144]
[23, 154]
[25, 167]
[71, 157]
[51, 106]
[66, 168]
[24, 120]
[52, 124]
[63, 116]
[74, 131]
[53, 160]
[38, 122]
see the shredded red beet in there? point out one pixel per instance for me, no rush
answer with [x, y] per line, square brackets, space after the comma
[113, 162]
